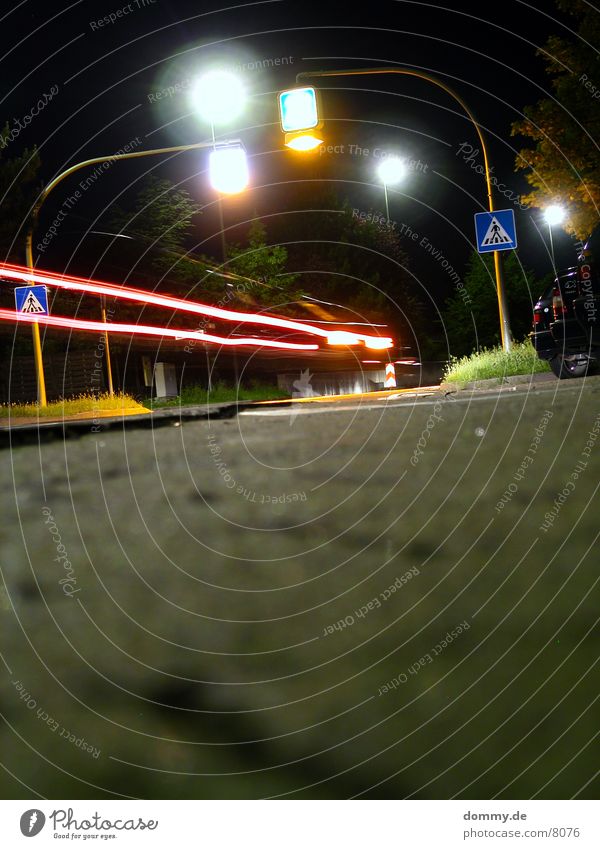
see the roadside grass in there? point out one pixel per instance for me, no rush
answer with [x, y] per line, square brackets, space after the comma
[494, 362]
[220, 393]
[85, 403]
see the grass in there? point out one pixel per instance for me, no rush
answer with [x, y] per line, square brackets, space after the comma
[85, 403]
[220, 393]
[494, 362]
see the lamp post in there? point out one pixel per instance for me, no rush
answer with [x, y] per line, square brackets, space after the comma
[410, 72]
[219, 97]
[97, 160]
[391, 171]
[554, 215]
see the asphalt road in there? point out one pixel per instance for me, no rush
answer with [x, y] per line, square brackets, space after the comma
[388, 597]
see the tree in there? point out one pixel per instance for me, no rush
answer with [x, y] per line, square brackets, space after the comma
[355, 260]
[160, 224]
[265, 264]
[471, 315]
[565, 162]
[18, 191]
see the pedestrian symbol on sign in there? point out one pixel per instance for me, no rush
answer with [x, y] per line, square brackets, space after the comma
[32, 300]
[496, 234]
[32, 304]
[495, 231]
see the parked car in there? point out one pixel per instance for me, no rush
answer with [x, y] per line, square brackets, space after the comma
[566, 321]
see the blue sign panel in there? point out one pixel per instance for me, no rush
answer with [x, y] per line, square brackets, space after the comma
[298, 108]
[495, 231]
[32, 299]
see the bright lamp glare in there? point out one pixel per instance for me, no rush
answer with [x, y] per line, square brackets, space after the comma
[554, 215]
[298, 109]
[305, 141]
[341, 337]
[219, 97]
[391, 170]
[228, 170]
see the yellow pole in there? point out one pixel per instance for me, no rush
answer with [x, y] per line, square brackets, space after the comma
[37, 346]
[505, 331]
[37, 343]
[107, 349]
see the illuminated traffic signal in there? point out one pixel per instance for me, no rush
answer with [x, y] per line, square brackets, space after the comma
[298, 109]
[299, 115]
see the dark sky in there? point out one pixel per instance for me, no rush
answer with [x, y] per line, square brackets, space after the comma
[108, 75]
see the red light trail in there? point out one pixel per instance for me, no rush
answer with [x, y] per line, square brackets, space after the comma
[148, 330]
[26, 275]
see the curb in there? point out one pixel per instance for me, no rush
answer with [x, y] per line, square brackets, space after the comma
[47, 431]
[522, 380]
[21, 421]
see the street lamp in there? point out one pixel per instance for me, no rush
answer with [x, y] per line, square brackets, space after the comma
[554, 215]
[228, 169]
[391, 171]
[219, 97]
[411, 72]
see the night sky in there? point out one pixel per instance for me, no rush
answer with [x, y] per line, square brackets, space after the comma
[129, 79]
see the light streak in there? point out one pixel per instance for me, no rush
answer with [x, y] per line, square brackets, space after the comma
[79, 284]
[149, 330]
[341, 337]
[378, 343]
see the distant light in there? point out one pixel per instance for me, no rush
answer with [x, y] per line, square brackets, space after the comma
[378, 343]
[219, 97]
[554, 214]
[342, 337]
[302, 141]
[228, 170]
[392, 170]
[298, 109]
[371, 362]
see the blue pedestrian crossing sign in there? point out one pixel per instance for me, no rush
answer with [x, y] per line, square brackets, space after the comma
[32, 299]
[495, 231]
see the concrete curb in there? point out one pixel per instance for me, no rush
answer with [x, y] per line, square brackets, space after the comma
[46, 431]
[17, 421]
[521, 380]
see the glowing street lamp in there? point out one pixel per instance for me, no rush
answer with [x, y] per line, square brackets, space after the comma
[299, 115]
[228, 169]
[554, 215]
[391, 171]
[219, 97]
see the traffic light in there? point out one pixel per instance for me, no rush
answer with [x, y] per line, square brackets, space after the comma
[299, 115]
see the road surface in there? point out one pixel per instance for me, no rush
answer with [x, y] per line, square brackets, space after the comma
[388, 596]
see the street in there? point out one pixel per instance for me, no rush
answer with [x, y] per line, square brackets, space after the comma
[384, 597]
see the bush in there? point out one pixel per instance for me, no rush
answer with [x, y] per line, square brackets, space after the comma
[495, 362]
